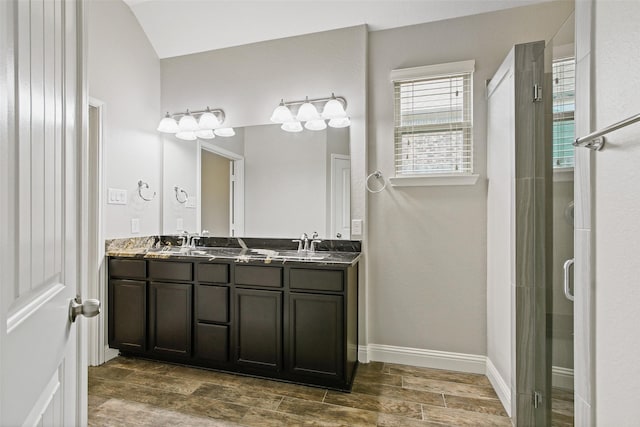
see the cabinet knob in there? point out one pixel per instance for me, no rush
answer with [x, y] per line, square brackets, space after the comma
[88, 308]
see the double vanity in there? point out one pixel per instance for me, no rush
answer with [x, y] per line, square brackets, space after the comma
[252, 306]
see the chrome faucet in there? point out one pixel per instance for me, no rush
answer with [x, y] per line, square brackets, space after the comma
[194, 238]
[314, 240]
[303, 243]
[184, 239]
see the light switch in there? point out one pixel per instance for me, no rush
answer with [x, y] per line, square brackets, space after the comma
[191, 202]
[117, 196]
[356, 227]
[179, 224]
[135, 225]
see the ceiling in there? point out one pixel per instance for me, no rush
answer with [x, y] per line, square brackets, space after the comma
[181, 27]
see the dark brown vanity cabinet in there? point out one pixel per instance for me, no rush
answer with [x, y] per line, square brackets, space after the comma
[127, 304]
[259, 329]
[290, 321]
[127, 319]
[258, 317]
[212, 313]
[316, 335]
[170, 309]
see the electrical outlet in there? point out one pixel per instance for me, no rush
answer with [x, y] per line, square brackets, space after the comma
[179, 224]
[191, 202]
[117, 196]
[356, 227]
[135, 225]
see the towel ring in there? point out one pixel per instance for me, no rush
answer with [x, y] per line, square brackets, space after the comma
[377, 175]
[142, 185]
[180, 190]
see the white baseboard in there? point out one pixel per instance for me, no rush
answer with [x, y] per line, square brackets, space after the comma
[562, 377]
[500, 386]
[363, 354]
[110, 353]
[461, 362]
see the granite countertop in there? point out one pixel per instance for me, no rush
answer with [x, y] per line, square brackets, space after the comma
[266, 251]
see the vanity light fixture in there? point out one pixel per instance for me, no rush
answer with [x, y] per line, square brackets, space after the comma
[292, 126]
[188, 123]
[317, 124]
[205, 134]
[208, 120]
[340, 123]
[307, 111]
[281, 114]
[224, 132]
[168, 125]
[191, 125]
[186, 136]
[333, 110]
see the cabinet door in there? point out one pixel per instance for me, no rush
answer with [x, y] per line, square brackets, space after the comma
[316, 334]
[127, 314]
[258, 319]
[170, 318]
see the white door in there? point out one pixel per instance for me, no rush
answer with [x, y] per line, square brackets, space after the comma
[41, 134]
[340, 197]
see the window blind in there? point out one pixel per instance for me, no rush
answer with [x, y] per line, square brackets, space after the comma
[564, 77]
[433, 124]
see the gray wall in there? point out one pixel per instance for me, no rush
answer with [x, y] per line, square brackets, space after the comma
[614, 61]
[124, 73]
[427, 245]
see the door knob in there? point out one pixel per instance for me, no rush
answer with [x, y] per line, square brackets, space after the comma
[88, 308]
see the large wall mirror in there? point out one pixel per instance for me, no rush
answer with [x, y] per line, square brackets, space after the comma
[262, 182]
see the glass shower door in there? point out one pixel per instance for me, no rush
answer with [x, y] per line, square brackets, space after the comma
[560, 287]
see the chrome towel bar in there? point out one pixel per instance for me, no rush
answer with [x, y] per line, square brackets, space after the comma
[595, 140]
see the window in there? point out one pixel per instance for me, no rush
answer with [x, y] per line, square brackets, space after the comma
[564, 105]
[433, 123]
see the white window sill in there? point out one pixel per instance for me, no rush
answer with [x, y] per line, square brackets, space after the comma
[433, 180]
[563, 175]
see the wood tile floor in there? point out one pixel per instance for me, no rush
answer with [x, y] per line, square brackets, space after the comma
[561, 407]
[138, 392]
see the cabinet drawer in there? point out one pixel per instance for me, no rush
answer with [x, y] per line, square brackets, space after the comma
[134, 268]
[212, 342]
[169, 270]
[319, 280]
[258, 276]
[212, 303]
[213, 273]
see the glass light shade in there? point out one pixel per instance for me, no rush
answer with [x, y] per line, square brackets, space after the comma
[315, 124]
[188, 123]
[340, 123]
[168, 125]
[208, 120]
[187, 136]
[307, 112]
[281, 114]
[205, 134]
[333, 109]
[224, 132]
[292, 126]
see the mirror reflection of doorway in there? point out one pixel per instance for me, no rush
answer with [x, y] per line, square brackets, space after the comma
[215, 188]
[220, 192]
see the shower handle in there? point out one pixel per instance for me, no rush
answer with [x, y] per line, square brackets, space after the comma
[567, 289]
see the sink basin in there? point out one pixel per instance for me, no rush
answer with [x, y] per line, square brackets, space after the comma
[297, 256]
[173, 250]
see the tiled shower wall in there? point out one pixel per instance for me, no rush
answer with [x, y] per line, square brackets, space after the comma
[583, 279]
